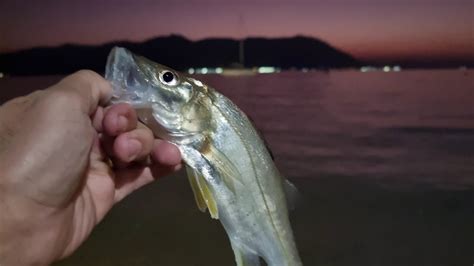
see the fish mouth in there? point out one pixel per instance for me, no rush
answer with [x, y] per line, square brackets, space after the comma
[127, 81]
[131, 86]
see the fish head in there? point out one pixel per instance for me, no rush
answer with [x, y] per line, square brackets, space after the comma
[174, 106]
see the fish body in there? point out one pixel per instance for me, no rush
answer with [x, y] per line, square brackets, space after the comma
[230, 169]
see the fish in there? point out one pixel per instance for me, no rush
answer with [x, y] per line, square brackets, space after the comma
[230, 170]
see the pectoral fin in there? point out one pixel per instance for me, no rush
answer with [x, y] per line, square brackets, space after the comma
[226, 168]
[202, 193]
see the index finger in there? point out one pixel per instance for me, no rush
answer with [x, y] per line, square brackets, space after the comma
[88, 87]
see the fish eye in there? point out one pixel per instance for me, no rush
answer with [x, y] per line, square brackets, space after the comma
[168, 78]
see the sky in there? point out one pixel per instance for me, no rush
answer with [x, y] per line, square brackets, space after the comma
[367, 29]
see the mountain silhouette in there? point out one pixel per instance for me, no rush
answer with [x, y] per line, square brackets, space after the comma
[180, 53]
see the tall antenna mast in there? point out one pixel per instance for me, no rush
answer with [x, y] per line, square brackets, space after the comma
[241, 41]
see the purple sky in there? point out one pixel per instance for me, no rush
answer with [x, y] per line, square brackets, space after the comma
[368, 29]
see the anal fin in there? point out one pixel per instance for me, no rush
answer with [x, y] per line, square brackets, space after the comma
[202, 193]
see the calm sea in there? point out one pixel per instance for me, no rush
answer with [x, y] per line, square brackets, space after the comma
[384, 163]
[404, 128]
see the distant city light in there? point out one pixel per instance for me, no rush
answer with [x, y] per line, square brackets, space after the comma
[206, 70]
[266, 70]
[367, 69]
[304, 69]
[397, 68]
[1, 75]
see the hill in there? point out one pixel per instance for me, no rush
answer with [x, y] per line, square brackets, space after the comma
[180, 53]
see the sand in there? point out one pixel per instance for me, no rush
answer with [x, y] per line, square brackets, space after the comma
[338, 221]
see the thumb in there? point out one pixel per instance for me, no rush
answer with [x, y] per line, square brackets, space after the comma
[88, 88]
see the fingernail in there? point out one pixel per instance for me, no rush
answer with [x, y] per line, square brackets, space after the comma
[121, 122]
[134, 148]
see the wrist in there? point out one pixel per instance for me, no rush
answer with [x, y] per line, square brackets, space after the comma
[25, 238]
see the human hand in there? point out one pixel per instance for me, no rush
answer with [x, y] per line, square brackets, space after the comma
[65, 160]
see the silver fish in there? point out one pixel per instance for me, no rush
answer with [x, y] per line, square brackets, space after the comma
[229, 168]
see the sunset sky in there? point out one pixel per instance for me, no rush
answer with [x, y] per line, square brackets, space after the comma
[368, 29]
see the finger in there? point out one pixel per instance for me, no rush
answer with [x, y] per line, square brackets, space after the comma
[119, 118]
[166, 160]
[97, 118]
[134, 145]
[165, 153]
[87, 88]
